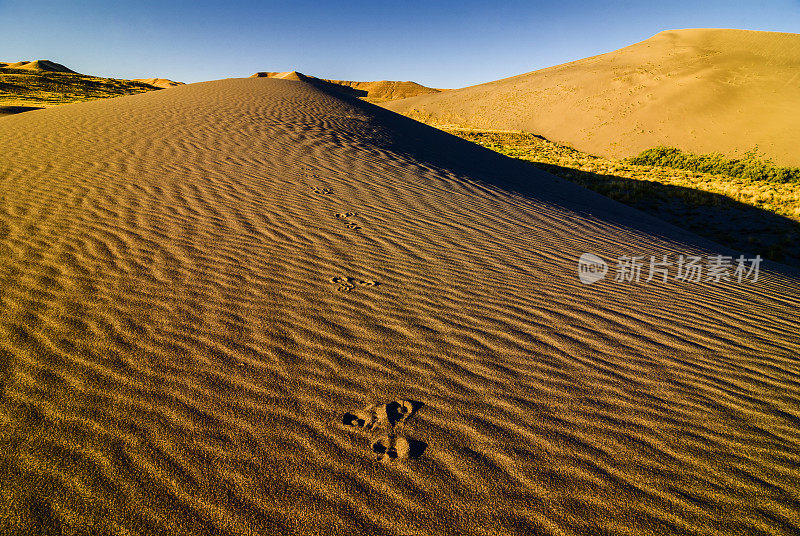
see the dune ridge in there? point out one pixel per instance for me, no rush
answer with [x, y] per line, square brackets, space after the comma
[158, 82]
[202, 287]
[701, 90]
[376, 91]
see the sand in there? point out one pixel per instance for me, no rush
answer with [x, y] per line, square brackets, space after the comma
[702, 90]
[159, 82]
[376, 91]
[222, 303]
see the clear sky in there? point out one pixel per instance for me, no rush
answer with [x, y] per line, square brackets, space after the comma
[441, 44]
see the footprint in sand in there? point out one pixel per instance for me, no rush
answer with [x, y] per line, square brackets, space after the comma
[346, 215]
[389, 418]
[382, 414]
[346, 284]
[395, 447]
[321, 190]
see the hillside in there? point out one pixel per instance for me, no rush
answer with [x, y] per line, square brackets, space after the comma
[701, 90]
[39, 84]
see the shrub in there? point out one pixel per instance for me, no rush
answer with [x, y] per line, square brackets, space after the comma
[750, 167]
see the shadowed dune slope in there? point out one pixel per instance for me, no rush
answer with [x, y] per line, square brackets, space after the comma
[202, 287]
[703, 90]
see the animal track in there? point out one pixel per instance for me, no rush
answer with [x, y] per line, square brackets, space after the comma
[346, 284]
[390, 417]
[393, 446]
[321, 190]
[344, 216]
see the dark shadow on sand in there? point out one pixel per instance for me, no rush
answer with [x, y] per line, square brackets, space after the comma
[728, 222]
[739, 228]
[10, 110]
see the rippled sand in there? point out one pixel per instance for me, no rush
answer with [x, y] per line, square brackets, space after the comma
[222, 303]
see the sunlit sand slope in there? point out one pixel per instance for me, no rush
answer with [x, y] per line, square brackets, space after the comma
[222, 303]
[701, 90]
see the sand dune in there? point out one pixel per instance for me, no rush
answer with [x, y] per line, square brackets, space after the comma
[285, 75]
[701, 90]
[158, 82]
[378, 91]
[222, 303]
[37, 65]
[384, 90]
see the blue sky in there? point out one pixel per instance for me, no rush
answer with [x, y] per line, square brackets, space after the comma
[441, 44]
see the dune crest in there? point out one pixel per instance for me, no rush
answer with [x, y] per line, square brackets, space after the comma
[286, 75]
[377, 91]
[702, 90]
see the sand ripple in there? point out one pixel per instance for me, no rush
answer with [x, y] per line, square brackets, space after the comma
[197, 284]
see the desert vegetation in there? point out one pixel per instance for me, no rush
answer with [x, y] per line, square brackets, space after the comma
[750, 167]
[39, 88]
[748, 204]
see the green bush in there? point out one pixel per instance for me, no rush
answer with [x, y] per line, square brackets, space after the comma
[749, 167]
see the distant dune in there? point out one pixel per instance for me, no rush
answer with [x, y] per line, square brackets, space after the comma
[378, 91]
[37, 65]
[158, 82]
[28, 85]
[286, 75]
[251, 306]
[703, 90]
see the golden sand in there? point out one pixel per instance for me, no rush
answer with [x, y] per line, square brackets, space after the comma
[206, 291]
[700, 90]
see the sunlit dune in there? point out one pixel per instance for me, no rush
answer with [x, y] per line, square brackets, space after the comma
[700, 90]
